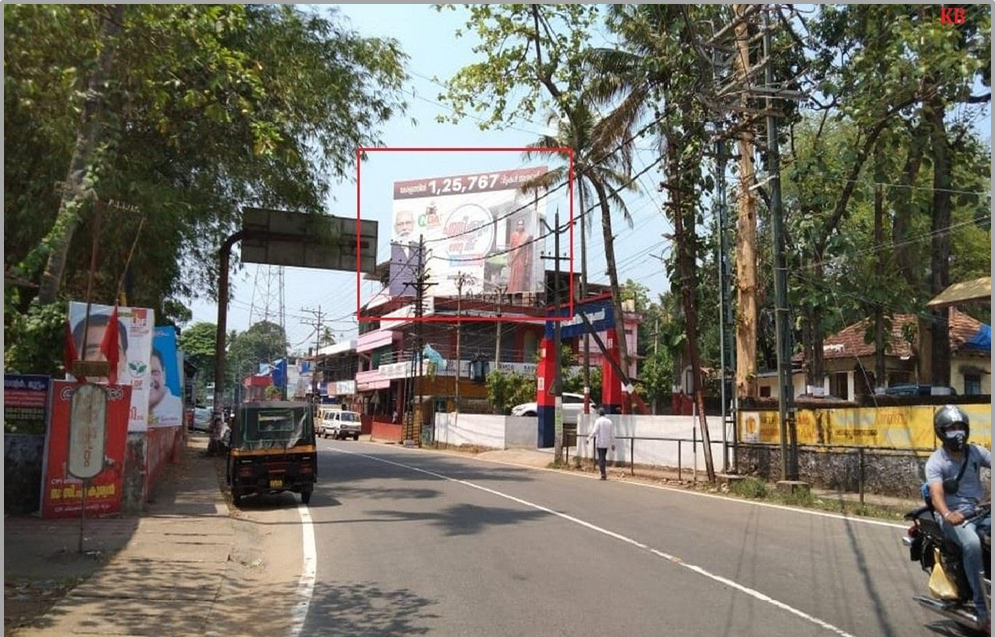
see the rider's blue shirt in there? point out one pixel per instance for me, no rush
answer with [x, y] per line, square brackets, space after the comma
[941, 466]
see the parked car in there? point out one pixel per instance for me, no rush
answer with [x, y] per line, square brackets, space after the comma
[340, 425]
[919, 390]
[202, 419]
[573, 405]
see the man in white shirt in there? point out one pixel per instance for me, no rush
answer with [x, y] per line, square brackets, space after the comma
[603, 435]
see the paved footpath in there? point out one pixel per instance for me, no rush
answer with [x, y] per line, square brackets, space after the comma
[167, 578]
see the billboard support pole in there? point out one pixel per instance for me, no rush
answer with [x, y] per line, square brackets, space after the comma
[221, 333]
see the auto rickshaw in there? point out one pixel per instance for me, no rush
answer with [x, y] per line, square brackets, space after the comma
[272, 449]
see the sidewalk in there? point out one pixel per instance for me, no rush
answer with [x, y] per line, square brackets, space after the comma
[164, 580]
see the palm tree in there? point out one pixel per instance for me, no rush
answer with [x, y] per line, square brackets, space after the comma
[660, 68]
[602, 168]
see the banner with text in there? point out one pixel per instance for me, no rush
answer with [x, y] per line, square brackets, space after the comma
[478, 225]
[904, 427]
[60, 492]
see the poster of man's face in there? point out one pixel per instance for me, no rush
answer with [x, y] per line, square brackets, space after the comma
[89, 336]
[134, 349]
[165, 390]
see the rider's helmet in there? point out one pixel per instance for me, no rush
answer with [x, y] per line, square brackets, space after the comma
[946, 417]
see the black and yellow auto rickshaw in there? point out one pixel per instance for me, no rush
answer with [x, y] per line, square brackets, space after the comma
[273, 449]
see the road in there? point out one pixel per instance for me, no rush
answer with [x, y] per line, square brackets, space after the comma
[415, 542]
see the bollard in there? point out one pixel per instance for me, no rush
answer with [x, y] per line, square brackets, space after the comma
[632, 456]
[679, 463]
[694, 449]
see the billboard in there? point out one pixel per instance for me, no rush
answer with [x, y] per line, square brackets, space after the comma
[61, 493]
[135, 342]
[478, 225]
[165, 385]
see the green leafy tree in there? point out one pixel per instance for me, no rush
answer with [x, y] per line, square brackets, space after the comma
[263, 342]
[507, 389]
[534, 62]
[195, 112]
[199, 343]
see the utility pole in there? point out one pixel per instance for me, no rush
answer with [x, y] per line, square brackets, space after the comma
[557, 389]
[739, 93]
[421, 285]
[785, 397]
[497, 342]
[461, 280]
[583, 272]
[317, 323]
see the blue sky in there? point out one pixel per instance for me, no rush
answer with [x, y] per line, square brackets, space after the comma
[428, 38]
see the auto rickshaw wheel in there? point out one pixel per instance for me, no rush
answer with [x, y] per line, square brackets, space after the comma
[306, 494]
[236, 498]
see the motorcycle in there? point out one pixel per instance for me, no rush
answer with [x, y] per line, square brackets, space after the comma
[923, 538]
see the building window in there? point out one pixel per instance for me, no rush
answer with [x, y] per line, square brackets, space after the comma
[838, 385]
[765, 391]
[972, 384]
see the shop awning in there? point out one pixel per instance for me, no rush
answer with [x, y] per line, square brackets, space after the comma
[964, 292]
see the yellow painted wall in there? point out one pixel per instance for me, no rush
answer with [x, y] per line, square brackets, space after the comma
[904, 427]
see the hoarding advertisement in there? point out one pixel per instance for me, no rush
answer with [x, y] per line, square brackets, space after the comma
[62, 493]
[480, 226]
[165, 389]
[135, 332]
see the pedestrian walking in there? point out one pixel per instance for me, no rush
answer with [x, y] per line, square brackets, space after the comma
[603, 436]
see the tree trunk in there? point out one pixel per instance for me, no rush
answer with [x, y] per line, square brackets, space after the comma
[939, 261]
[746, 243]
[606, 226]
[879, 342]
[87, 135]
[807, 345]
[686, 260]
[902, 198]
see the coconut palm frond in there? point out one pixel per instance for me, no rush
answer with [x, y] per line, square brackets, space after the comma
[549, 179]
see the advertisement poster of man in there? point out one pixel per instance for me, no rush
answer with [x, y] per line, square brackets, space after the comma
[403, 253]
[165, 384]
[135, 331]
[61, 493]
[480, 225]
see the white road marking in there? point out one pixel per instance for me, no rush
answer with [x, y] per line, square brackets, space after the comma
[670, 558]
[305, 587]
[822, 514]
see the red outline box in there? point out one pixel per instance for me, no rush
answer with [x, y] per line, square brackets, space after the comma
[452, 319]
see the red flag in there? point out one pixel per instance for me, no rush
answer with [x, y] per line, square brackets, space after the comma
[70, 352]
[110, 347]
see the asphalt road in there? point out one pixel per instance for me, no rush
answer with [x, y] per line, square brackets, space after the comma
[418, 543]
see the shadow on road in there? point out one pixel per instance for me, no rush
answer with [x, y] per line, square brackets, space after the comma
[461, 519]
[364, 609]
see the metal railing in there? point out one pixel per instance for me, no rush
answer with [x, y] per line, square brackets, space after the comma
[570, 440]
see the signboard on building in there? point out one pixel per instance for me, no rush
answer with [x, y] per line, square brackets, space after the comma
[600, 314]
[478, 225]
[61, 492]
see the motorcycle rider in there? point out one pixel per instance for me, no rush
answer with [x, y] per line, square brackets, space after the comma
[954, 501]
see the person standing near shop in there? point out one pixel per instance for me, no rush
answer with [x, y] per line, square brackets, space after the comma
[603, 436]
